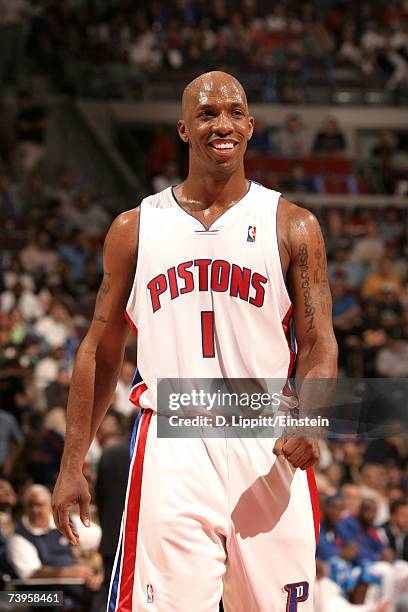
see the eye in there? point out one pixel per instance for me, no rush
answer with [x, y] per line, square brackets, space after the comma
[207, 113]
[237, 113]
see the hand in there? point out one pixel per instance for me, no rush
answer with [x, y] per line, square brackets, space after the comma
[83, 572]
[302, 452]
[349, 551]
[71, 489]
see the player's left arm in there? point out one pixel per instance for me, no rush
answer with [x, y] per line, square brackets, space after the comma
[312, 312]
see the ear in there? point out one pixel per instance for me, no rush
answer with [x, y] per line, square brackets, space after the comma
[182, 130]
[251, 125]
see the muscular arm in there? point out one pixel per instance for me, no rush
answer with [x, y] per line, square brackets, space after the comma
[304, 264]
[310, 293]
[97, 367]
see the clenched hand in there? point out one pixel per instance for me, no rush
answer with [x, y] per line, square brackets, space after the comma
[301, 451]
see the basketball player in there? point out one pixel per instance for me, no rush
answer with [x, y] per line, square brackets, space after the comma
[210, 274]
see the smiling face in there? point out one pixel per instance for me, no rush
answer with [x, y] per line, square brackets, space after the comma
[216, 123]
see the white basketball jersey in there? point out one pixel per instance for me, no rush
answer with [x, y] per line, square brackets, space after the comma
[209, 303]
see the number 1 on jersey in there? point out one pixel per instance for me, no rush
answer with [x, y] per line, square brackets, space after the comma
[207, 333]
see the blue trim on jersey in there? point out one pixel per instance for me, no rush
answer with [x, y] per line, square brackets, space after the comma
[136, 379]
[134, 435]
[113, 595]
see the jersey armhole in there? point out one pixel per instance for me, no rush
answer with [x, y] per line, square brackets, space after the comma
[278, 249]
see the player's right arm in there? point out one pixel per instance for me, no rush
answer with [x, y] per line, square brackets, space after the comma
[96, 370]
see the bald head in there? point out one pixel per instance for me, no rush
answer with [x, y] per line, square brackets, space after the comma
[214, 83]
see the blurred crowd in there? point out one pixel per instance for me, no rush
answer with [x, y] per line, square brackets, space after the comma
[121, 43]
[50, 272]
[52, 230]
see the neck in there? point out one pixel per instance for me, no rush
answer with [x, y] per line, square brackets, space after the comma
[205, 190]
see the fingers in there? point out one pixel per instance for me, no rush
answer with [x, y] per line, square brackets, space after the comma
[84, 502]
[64, 524]
[278, 448]
[300, 452]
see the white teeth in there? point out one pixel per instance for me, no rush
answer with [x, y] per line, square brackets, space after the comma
[224, 145]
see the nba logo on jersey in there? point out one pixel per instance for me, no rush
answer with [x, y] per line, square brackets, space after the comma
[149, 593]
[297, 592]
[251, 233]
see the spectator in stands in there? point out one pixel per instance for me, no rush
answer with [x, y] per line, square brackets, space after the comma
[9, 202]
[167, 178]
[13, 17]
[391, 226]
[30, 130]
[46, 369]
[16, 274]
[370, 248]
[329, 544]
[392, 360]
[346, 316]
[292, 137]
[46, 441]
[384, 279]
[352, 460]
[57, 391]
[330, 139]
[261, 142]
[373, 485]
[383, 153]
[162, 149]
[28, 303]
[352, 497]
[8, 501]
[56, 327]
[88, 216]
[35, 195]
[396, 529]
[390, 449]
[298, 181]
[121, 402]
[37, 255]
[37, 550]
[346, 309]
[349, 48]
[360, 529]
[390, 308]
[75, 251]
[11, 441]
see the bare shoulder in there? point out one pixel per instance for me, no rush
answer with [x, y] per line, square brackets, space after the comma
[297, 224]
[121, 239]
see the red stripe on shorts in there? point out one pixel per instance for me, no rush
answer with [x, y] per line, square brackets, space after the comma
[314, 498]
[132, 520]
[286, 330]
[129, 320]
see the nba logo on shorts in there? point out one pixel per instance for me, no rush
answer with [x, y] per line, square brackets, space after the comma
[297, 592]
[149, 593]
[251, 233]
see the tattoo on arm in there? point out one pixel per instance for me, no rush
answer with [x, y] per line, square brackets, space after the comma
[320, 277]
[309, 309]
[102, 293]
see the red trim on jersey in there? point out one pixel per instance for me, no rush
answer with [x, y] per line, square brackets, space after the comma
[129, 320]
[136, 392]
[132, 520]
[314, 498]
[286, 330]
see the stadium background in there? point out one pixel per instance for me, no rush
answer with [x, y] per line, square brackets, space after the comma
[89, 98]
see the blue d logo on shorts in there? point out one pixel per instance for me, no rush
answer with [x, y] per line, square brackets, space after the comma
[297, 592]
